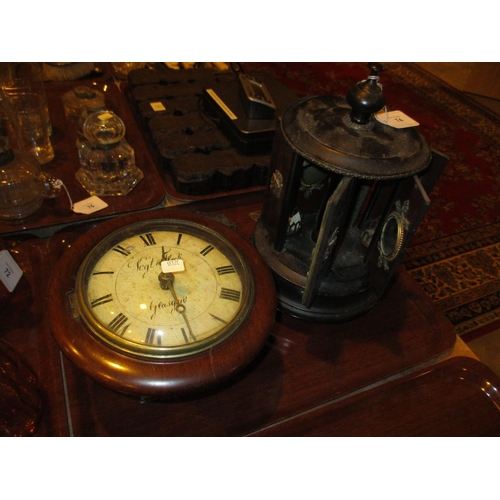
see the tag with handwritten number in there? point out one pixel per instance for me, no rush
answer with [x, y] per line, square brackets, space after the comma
[396, 119]
[89, 205]
[157, 106]
[172, 266]
[10, 272]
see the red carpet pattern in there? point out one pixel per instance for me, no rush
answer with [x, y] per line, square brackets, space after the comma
[461, 273]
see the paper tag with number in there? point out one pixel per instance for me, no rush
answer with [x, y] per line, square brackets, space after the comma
[105, 116]
[10, 272]
[172, 266]
[89, 205]
[396, 119]
[157, 106]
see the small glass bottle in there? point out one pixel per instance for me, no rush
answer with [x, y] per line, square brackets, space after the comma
[80, 138]
[23, 185]
[107, 161]
[76, 101]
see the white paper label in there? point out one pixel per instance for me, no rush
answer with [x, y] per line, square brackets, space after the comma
[105, 116]
[10, 272]
[296, 218]
[172, 266]
[396, 119]
[157, 106]
[89, 205]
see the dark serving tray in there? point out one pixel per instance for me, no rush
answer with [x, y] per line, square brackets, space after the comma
[149, 193]
[457, 397]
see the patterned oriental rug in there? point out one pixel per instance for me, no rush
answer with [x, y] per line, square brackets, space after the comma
[455, 253]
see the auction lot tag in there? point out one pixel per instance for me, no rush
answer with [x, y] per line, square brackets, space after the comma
[89, 205]
[10, 272]
[172, 266]
[396, 119]
[157, 106]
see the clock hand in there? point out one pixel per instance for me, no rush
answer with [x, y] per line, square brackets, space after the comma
[167, 283]
[163, 254]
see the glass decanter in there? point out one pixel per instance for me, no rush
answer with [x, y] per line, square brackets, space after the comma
[107, 161]
[23, 185]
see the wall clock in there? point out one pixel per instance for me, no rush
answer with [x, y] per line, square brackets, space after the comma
[161, 303]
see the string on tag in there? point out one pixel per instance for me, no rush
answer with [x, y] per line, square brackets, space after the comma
[386, 114]
[86, 206]
[59, 183]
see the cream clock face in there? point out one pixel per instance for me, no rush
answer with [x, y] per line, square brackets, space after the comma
[164, 288]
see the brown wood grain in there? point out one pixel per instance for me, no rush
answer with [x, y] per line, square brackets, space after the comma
[146, 377]
[456, 397]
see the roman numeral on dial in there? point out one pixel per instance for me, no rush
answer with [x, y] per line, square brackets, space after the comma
[207, 250]
[118, 324]
[121, 250]
[225, 270]
[188, 336]
[151, 335]
[148, 239]
[229, 294]
[220, 320]
[101, 300]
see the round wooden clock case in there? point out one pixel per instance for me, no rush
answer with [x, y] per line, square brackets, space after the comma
[214, 316]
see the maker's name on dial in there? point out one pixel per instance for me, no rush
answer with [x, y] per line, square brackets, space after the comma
[156, 307]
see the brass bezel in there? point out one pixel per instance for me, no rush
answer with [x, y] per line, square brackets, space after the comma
[164, 352]
[392, 253]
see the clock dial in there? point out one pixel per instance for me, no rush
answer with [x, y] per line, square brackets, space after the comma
[129, 301]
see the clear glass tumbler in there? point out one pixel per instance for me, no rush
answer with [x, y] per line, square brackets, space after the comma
[32, 124]
[24, 104]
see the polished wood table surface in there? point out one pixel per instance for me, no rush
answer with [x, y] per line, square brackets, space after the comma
[308, 379]
[455, 397]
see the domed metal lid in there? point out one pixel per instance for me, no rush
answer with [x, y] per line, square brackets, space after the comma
[343, 135]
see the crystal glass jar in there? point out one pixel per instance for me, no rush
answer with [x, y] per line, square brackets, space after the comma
[107, 161]
[76, 101]
[23, 185]
[80, 138]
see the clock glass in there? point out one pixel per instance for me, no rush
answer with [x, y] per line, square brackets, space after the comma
[164, 288]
